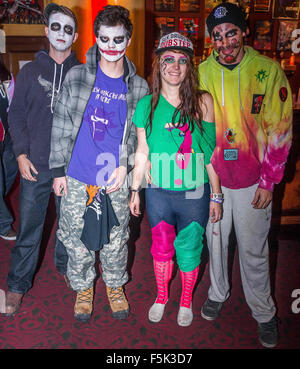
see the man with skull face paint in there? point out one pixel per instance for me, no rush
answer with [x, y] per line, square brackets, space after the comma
[93, 141]
[253, 110]
[30, 118]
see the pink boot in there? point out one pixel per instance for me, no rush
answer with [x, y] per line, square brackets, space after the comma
[185, 314]
[163, 273]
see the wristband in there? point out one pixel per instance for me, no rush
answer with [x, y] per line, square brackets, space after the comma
[217, 197]
[217, 201]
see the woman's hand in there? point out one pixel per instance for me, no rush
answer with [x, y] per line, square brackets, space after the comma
[134, 204]
[215, 211]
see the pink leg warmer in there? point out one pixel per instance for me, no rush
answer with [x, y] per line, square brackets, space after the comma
[163, 237]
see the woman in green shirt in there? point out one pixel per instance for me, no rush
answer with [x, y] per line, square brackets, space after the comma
[176, 138]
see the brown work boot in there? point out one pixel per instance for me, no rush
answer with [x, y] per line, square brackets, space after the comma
[12, 303]
[118, 302]
[84, 305]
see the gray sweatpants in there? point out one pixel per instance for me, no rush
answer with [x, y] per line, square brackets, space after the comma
[251, 229]
[81, 261]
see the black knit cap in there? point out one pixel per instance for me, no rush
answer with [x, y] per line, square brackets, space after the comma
[226, 13]
[60, 9]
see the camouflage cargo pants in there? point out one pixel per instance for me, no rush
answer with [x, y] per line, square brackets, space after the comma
[113, 256]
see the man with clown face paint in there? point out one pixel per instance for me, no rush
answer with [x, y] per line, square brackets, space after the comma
[253, 114]
[30, 119]
[92, 146]
[112, 42]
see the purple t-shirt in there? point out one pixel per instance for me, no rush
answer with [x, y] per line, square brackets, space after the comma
[96, 150]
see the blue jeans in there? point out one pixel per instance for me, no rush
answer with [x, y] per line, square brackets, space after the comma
[8, 173]
[33, 204]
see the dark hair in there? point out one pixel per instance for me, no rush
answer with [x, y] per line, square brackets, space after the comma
[189, 94]
[4, 72]
[63, 10]
[111, 16]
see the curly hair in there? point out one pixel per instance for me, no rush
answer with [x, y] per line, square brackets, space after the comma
[111, 16]
[189, 94]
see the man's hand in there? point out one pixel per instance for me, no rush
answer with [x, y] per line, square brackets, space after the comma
[60, 186]
[118, 175]
[262, 198]
[215, 211]
[26, 167]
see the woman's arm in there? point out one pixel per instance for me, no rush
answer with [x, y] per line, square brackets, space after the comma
[140, 164]
[215, 208]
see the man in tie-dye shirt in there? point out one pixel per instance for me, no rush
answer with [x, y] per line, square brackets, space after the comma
[253, 115]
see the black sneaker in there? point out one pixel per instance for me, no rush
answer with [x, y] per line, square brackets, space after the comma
[211, 309]
[10, 235]
[268, 333]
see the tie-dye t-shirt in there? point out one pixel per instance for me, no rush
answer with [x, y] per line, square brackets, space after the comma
[96, 151]
[253, 115]
[177, 155]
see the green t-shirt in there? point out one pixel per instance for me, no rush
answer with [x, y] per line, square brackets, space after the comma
[165, 143]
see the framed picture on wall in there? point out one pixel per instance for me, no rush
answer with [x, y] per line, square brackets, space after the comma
[262, 5]
[286, 9]
[164, 5]
[189, 27]
[210, 4]
[207, 39]
[285, 39]
[162, 26]
[22, 12]
[262, 35]
[189, 5]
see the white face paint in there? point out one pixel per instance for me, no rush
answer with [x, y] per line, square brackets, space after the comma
[61, 31]
[112, 42]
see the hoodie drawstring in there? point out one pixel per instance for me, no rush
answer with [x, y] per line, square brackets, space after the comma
[53, 85]
[223, 95]
[223, 98]
[241, 106]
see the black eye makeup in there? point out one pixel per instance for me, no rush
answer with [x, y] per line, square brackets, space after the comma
[68, 29]
[104, 39]
[217, 36]
[57, 27]
[117, 40]
[231, 33]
